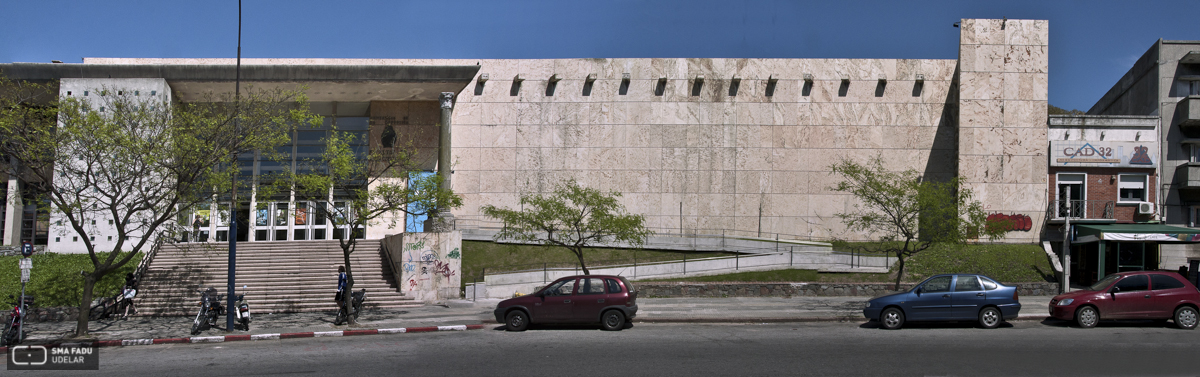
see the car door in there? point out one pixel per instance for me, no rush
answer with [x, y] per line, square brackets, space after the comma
[932, 301]
[1166, 291]
[968, 297]
[590, 298]
[1129, 298]
[556, 302]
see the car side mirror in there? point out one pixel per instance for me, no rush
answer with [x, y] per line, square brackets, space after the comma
[920, 290]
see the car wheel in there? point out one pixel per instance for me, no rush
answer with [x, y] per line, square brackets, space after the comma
[1185, 317]
[516, 320]
[1087, 317]
[612, 320]
[990, 318]
[892, 318]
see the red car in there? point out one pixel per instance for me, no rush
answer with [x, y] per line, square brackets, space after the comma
[1154, 295]
[608, 300]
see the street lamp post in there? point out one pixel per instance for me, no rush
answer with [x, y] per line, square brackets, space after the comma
[233, 199]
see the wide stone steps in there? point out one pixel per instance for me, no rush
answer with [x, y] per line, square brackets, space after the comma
[277, 276]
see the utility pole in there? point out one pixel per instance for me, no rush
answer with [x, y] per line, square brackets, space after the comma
[1065, 285]
[233, 199]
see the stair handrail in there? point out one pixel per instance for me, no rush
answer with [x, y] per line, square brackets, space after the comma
[396, 273]
[146, 259]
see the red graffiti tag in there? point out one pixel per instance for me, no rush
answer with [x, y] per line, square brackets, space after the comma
[1015, 221]
[442, 268]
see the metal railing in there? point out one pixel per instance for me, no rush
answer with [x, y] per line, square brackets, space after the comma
[1080, 209]
[149, 257]
[489, 224]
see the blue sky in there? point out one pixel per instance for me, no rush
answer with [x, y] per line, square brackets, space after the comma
[1092, 43]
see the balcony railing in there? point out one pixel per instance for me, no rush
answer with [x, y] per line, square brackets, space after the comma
[1080, 209]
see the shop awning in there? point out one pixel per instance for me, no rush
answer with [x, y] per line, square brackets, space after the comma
[1135, 232]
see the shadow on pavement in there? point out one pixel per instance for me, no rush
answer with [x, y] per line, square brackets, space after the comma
[1124, 323]
[933, 325]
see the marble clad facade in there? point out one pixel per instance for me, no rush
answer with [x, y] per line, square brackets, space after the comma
[699, 144]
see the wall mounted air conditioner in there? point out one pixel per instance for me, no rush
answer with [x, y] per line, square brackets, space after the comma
[1145, 208]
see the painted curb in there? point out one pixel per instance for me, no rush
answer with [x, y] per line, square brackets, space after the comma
[846, 318]
[276, 336]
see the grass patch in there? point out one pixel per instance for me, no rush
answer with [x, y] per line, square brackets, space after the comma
[1009, 263]
[788, 275]
[503, 257]
[55, 279]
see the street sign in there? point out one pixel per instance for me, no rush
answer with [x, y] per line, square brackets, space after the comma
[26, 249]
[26, 264]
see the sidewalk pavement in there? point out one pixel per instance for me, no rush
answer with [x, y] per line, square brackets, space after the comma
[468, 315]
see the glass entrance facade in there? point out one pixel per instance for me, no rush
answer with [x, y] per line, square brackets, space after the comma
[281, 218]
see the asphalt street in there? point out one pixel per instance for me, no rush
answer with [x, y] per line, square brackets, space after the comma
[820, 348]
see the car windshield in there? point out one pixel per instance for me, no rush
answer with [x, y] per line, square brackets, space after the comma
[1104, 283]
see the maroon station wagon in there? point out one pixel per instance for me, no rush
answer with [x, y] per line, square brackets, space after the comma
[1156, 295]
[608, 300]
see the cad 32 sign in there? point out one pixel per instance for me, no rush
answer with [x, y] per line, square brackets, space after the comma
[1015, 221]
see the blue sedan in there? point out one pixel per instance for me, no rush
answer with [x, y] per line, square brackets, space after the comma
[951, 297]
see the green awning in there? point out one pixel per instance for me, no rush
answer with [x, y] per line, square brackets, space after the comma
[1135, 232]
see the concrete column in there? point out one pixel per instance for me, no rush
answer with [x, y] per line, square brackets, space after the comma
[252, 227]
[447, 99]
[443, 221]
[13, 211]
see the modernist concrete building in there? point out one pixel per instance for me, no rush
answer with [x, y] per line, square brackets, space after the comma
[1162, 87]
[710, 146]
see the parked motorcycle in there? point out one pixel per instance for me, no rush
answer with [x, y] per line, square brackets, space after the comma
[12, 330]
[242, 315]
[356, 300]
[210, 310]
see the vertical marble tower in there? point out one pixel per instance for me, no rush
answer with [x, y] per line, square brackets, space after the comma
[1002, 94]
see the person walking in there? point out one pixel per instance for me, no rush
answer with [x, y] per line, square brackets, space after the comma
[127, 295]
[196, 229]
[341, 288]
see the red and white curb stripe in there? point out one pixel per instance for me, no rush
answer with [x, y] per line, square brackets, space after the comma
[233, 338]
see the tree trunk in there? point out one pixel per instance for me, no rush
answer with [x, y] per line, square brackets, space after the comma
[579, 254]
[900, 271]
[347, 295]
[85, 304]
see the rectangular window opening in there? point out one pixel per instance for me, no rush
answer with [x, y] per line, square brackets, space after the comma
[1132, 187]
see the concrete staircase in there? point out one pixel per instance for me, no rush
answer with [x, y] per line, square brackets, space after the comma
[281, 277]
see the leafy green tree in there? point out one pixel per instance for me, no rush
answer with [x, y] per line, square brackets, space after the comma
[908, 213]
[375, 187]
[135, 160]
[572, 217]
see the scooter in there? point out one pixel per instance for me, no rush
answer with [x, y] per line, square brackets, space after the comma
[242, 314]
[210, 310]
[12, 330]
[356, 300]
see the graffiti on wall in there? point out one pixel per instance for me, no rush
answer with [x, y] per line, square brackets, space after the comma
[1014, 221]
[424, 263]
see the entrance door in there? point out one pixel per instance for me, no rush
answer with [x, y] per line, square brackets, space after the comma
[271, 222]
[1070, 196]
[1131, 256]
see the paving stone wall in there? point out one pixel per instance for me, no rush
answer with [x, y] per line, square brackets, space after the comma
[734, 289]
[56, 314]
